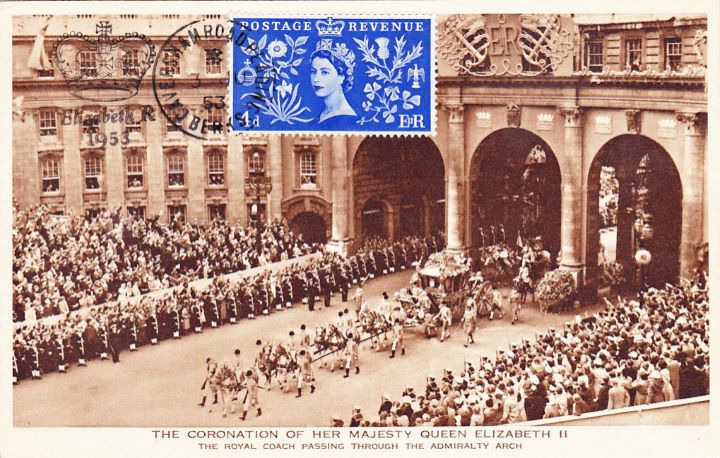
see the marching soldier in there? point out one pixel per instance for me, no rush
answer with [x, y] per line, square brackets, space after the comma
[102, 341]
[60, 352]
[33, 357]
[445, 316]
[208, 386]
[304, 339]
[397, 330]
[251, 395]
[305, 373]
[310, 291]
[352, 353]
[287, 290]
[469, 320]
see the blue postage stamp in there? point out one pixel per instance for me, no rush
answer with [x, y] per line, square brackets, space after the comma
[334, 75]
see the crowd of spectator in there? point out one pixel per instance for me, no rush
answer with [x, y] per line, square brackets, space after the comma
[643, 350]
[62, 264]
[126, 323]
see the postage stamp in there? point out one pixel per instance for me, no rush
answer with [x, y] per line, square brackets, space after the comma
[334, 75]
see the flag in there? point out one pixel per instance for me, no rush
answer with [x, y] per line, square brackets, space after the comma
[39, 59]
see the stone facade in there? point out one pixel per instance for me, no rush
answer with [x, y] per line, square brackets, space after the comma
[575, 114]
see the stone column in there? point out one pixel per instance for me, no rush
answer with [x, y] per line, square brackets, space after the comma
[274, 170]
[454, 195]
[572, 208]
[693, 176]
[624, 250]
[340, 195]
[115, 172]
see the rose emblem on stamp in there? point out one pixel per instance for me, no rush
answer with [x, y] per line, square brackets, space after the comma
[334, 75]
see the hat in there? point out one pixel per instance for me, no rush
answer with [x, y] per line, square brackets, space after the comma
[406, 400]
[357, 408]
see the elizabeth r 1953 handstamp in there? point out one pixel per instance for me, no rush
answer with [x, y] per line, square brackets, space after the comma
[364, 75]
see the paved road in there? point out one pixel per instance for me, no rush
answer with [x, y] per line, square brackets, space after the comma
[160, 385]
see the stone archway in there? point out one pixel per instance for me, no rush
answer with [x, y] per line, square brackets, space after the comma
[514, 189]
[376, 218]
[649, 190]
[311, 226]
[388, 170]
[309, 215]
[412, 215]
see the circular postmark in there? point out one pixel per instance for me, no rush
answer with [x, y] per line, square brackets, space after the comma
[190, 77]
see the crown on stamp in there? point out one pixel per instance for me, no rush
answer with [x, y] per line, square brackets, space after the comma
[330, 28]
[103, 68]
[483, 115]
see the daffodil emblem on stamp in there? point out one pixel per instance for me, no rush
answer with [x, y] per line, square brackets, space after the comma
[334, 75]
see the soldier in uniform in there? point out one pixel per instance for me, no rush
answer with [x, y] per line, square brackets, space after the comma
[251, 395]
[310, 291]
[469, 320]
[326, 286]
[352, 352]
[208, 386]
[115, 341]
[79, 346]
[445, 316]
[305, 372]
[397, 332]
[151, 328]
[232, 307]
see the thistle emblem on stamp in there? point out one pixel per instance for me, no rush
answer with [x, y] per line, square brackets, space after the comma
[334, 75]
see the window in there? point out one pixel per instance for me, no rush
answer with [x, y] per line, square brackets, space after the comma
[93, 173]
[216, 211]
[176, 213]
[131, 63]
[136, 212]
[171, 62]
[633, 54]
[308, 169]
[50, 169]
[216, 169]
[595, 56]
[256, 163]
[215, 120]
[48, 123]
[132, 125]
[175, 114]
[213, 61]
[135, 175]
[673, 53]
[91, 125]
[88, 67]
[176, 171]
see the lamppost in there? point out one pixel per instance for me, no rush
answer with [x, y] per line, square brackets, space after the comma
[257, 184]
[642, 233]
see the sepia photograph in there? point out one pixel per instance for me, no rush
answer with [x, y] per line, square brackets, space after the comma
[224, 224]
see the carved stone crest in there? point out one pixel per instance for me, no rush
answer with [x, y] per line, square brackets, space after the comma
[514, 114]
[634, 121]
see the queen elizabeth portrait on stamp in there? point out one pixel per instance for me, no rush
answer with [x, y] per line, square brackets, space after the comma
[331, 75]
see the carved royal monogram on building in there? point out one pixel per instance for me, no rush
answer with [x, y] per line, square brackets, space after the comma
[500, 44]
